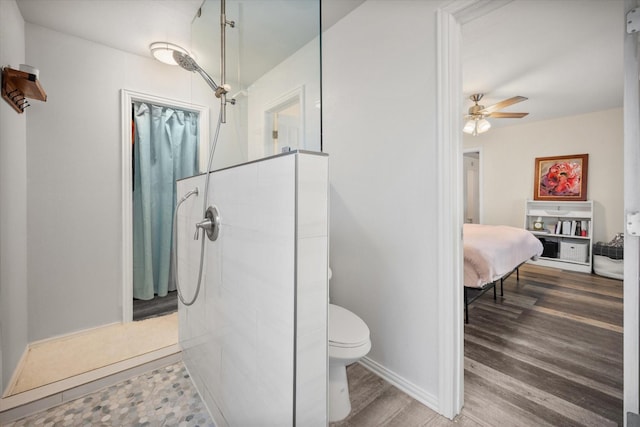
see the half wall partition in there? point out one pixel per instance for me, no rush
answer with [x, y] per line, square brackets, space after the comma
[255, 341]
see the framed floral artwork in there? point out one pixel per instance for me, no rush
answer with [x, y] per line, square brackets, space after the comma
[561, 178]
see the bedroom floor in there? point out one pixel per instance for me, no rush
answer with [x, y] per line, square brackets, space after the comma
[548, 353]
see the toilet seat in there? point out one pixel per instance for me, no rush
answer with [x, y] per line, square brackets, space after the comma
[346, 330]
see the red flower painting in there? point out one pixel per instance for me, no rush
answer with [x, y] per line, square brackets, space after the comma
[561, 178]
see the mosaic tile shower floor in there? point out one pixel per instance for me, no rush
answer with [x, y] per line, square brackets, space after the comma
[162, 397]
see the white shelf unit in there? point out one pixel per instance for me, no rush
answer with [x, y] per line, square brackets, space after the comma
[551, 213]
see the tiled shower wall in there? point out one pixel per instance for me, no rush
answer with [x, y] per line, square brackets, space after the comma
[255, 341]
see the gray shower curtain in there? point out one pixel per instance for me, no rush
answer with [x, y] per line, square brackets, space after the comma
[165, 149]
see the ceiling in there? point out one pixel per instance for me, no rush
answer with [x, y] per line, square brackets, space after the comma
[270, 30]
[564, 55]
[128, 25]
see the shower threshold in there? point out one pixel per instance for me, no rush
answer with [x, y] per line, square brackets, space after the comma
[26, 395]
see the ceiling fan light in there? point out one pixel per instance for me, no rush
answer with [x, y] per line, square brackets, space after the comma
[483, 126]
[469, 127]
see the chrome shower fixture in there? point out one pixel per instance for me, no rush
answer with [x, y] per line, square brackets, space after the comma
[211, 222]
[189, 64]
[169, 53]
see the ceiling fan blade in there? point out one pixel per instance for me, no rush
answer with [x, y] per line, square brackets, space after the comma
[499, 115]
[502, 104]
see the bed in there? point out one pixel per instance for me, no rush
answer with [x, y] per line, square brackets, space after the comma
[492, 253]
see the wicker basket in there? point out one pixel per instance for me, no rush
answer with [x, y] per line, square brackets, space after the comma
[572, 250]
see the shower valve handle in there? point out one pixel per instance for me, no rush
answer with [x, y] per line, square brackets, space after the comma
[206, 225]
[210, 224]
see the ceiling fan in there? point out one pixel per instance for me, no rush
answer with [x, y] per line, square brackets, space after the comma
[477, 118]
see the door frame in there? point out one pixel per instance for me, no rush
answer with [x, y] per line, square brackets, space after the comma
[451, 346]
[127, 97]
[449, 274]
[295, 95]
[631, 319]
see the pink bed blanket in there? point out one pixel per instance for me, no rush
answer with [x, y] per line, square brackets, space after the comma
[492, 251]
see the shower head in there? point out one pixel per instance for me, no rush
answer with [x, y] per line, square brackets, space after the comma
[189, 64]
[185, 61]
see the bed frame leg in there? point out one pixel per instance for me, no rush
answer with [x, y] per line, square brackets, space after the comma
[501, 290]
[466, 306]
[494, 291]
[518, 274]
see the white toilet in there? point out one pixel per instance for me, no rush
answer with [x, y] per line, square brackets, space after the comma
[348, 342]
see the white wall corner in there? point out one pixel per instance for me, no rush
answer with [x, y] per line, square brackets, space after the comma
[418, 393]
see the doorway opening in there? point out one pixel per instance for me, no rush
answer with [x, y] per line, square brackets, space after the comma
[472, 187]
[146, 307]
[450, 21]
[165, 149]
[284, 123]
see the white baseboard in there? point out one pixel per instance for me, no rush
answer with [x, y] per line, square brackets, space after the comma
[82, 332]
[408, 387]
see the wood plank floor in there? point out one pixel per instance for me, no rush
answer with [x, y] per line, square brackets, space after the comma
[548, 353]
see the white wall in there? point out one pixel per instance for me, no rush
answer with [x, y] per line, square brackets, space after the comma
[508, 165]
[74, 175]
[13, 199]
[379, 128]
